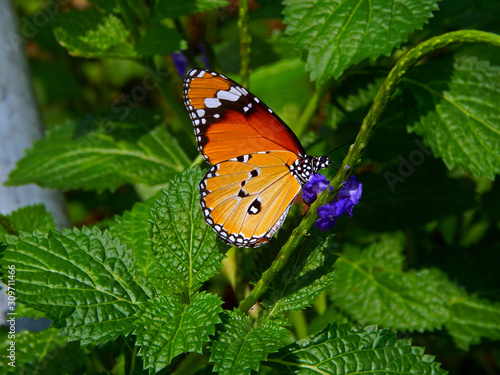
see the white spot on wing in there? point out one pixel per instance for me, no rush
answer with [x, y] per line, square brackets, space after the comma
[212, 102]
[232, 95]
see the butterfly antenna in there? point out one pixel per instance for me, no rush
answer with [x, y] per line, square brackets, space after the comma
[335, 165]
[336, 148]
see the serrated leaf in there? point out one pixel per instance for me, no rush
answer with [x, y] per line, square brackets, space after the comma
[340, 33]
[132, 228]
[372, 290]
[307, 273]
[159, 40]
[168, 327]
[188, 252]
[179, 8]
[241, 345]
[351, 350]
[84, 280]
[93, 34]
[457, 112]
[26, 218]
[473, 319]
[97, 161]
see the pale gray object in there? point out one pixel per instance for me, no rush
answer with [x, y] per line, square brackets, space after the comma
[20, 124]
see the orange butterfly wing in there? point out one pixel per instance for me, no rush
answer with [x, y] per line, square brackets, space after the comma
[229, 121]
[259, 164]
[246, 199]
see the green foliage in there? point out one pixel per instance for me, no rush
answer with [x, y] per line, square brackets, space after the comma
[307, 273]
[159, 39]
[352, 350]
[242, 344]
[152, 289]
[94, 34]
[168, 327]
[458, 117]
[131, 229]
[356, 30]
[84, 280]
[372, 288]
[44, 352]
[26, 219]
[473, 319]
[96, 160]
[178, 8]
[187, 254]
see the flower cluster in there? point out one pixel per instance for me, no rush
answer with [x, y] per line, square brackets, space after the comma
[348, 196]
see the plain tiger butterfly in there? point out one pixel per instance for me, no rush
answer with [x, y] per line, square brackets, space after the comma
[259, 165]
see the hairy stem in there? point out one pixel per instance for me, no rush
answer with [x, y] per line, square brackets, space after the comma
[245, 40]
[357, 149]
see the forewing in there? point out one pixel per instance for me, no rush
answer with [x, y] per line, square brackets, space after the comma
[229, 121]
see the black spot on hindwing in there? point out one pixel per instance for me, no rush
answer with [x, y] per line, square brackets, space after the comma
[255, 207]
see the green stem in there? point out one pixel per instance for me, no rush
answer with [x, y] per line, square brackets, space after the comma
[164, 86]
[357, 149]
[190, 363]
[245, 40]
[132, 361]
[162, 82]
[310, 109]
[128, 17]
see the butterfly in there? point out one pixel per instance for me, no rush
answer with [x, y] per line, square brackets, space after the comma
[259, 165]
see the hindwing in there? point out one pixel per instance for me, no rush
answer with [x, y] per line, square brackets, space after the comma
[246, 199]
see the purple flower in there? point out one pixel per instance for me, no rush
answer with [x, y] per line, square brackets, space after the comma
[316, 184]
[348, 196]
[180, 62]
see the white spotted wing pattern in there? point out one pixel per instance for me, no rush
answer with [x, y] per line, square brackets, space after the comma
[259, 165]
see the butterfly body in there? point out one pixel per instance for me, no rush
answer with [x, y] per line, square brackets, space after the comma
[259, 165]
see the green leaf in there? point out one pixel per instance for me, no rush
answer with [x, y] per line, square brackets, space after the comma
[307, 273]
[26, 219]
[97, 161]
[352, 350]
[340, 33]
[159, 40]
[289, 90]
[473, 319]
[84, 280]
[43, 352]
[132, 229]
[371, 287]
[93, 34]
[168, 327]
[457, 112]
[179, 8]
[188, 252]
[241, 345]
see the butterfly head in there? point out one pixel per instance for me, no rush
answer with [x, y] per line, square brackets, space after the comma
[320, 162]
[305, 167]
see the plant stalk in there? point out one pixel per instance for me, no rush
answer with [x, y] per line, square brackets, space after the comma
[245, 40]
[357, 149]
